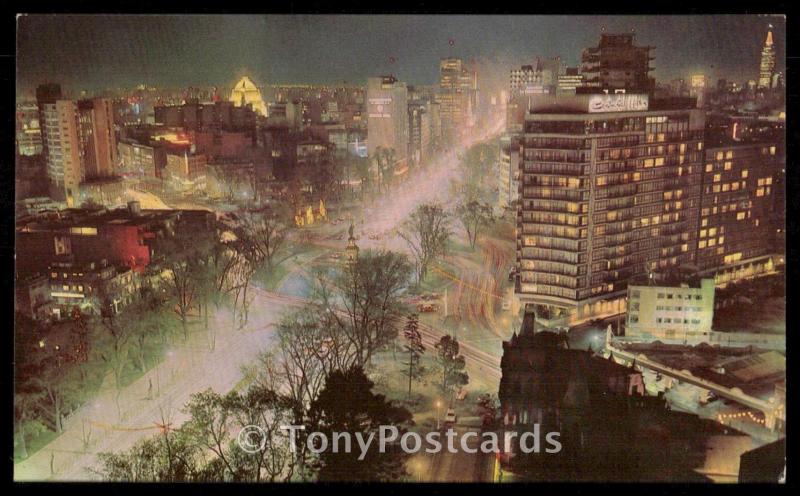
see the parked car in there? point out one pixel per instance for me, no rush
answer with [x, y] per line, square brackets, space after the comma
[427, 307]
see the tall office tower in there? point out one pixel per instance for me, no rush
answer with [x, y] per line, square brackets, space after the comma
[569, 81]
[97, 140]
[46, 94]
[78, 141]
[508, 171]
[387, 117]
[64, 167]
[28, 133]
[419, 131]
[767, 66]
[610, 185]
[617, 64]
[457, 96]
[541, 78]
[521, 78]
[698, 89]
[741, 207]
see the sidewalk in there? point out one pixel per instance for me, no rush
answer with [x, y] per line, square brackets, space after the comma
[187, 369]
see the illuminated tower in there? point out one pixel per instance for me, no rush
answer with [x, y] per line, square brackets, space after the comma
[767, 68]
[351, 251]
[246, 92]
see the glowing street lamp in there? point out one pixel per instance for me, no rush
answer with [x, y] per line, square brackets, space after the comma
[438, 413]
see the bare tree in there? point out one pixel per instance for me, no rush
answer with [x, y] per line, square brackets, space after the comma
[268, 410]
[300, 361]
[362, 300]
[119, 331]
[426, 232]
[474, 215]
[266, 231]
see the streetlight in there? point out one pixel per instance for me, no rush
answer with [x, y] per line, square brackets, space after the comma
[438, 413]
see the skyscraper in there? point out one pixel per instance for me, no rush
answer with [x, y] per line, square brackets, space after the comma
[387, 117]
[540, 78]
[767, 67]
[617, 64]
[46, 94]
[78, 141]
[610, 189]
[458, 96]
[97, 139]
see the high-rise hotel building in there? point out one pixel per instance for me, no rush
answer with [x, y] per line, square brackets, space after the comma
[78, 141]
[742, 207]
[609, 189]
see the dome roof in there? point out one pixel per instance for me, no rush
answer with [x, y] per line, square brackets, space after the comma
[246, 92]
[246, 84]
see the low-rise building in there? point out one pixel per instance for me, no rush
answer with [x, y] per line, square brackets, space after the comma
[93, 288]
[683, 311]
[33, 296]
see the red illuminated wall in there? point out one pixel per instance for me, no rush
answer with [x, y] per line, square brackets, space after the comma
[118, 244]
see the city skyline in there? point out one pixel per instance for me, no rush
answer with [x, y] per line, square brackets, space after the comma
[447, 226]
[175, 51]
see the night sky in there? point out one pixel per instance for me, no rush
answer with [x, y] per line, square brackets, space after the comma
[97, 52]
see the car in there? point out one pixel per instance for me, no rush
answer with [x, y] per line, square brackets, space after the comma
[427, 307]
[450, 418]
